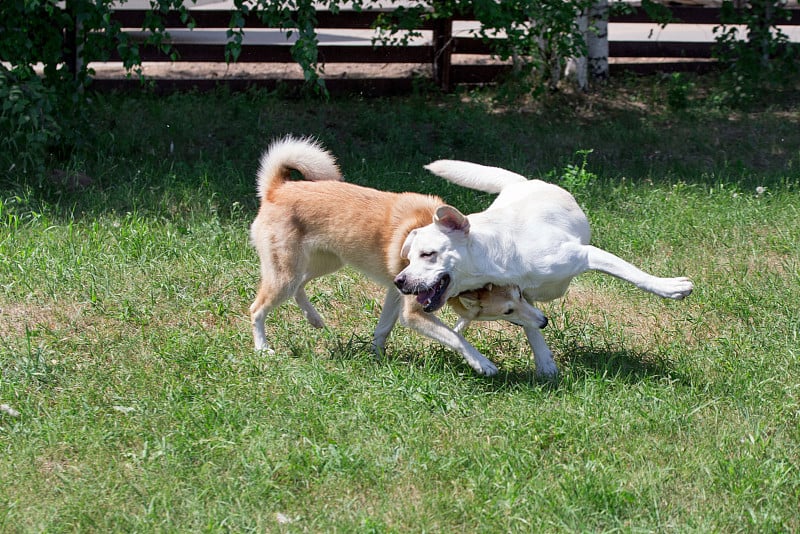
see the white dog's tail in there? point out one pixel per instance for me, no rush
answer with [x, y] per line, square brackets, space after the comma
[474, 176]
[304, 155]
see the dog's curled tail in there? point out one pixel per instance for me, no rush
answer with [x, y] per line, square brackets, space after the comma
[474, 176]
[304, 155]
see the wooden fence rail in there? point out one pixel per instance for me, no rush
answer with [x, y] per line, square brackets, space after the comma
[206, 43]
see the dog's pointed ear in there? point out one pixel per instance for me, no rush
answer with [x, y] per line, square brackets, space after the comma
[406, 248]
[449, 219]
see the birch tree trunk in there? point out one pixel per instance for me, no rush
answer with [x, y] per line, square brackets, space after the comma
[593, 26]
[577, 67]
[597, 41]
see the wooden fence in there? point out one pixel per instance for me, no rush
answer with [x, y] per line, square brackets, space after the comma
[453, 59]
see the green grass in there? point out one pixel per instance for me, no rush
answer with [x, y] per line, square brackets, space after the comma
[125, 342]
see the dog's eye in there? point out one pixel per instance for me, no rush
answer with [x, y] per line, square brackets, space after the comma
[427, 254]
[508, 312]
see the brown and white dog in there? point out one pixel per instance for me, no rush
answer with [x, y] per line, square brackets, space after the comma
[308, 228]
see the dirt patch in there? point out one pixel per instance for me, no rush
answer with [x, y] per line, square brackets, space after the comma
[17, 318]
[646, 323]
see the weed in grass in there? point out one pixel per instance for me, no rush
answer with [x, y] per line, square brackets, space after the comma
[30, 366]
[576, 178]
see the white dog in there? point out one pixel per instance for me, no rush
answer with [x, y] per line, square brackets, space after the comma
[307, 228]
[534, 235]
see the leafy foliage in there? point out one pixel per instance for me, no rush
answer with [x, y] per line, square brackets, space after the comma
[294, 15]
[30, 33]
[539, 35]
[43, 116]
[577, 178]
[28, 119]
[762, 57]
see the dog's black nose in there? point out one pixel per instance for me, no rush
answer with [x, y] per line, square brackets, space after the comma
[400, 281]
[545, 322]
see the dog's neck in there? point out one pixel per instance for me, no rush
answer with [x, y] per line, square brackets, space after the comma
[482, 246]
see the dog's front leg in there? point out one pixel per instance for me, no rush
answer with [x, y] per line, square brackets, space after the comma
[461, 325]
[542, 356]
[429, 325]
[387, 320]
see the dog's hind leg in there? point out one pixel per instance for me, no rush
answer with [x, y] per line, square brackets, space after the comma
[542, 356]
[429, 325]
[310, 312]
[269, 297]
[316, 265]
[387, 320]
[671, 288]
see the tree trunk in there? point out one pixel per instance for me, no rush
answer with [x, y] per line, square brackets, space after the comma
[593, 27]
[597, 41]
[577, 67]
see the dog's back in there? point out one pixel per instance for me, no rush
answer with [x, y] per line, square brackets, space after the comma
[521, 200]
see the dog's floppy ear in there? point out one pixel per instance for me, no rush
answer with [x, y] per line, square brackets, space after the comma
[407, 244]
[449, 219]
[469, 299]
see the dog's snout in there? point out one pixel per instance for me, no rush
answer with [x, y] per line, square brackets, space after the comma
[400, 282]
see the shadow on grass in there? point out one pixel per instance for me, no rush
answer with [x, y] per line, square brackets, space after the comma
[576, 363]
[621, 363]
[579, 363]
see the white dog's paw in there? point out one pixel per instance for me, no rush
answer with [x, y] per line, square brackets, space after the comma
[261, 346]
[485, 368]
[677, 288]
[546, 370]
[315, 320]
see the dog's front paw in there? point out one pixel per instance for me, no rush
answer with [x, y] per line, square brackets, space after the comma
[546, 370]
[261, 345]
[316, 321]
[485, 368]
[378, 350]
[679, 289]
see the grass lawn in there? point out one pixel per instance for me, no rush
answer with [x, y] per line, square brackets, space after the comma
[125, 344]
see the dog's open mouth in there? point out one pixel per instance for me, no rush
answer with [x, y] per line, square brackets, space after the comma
[433, 298]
